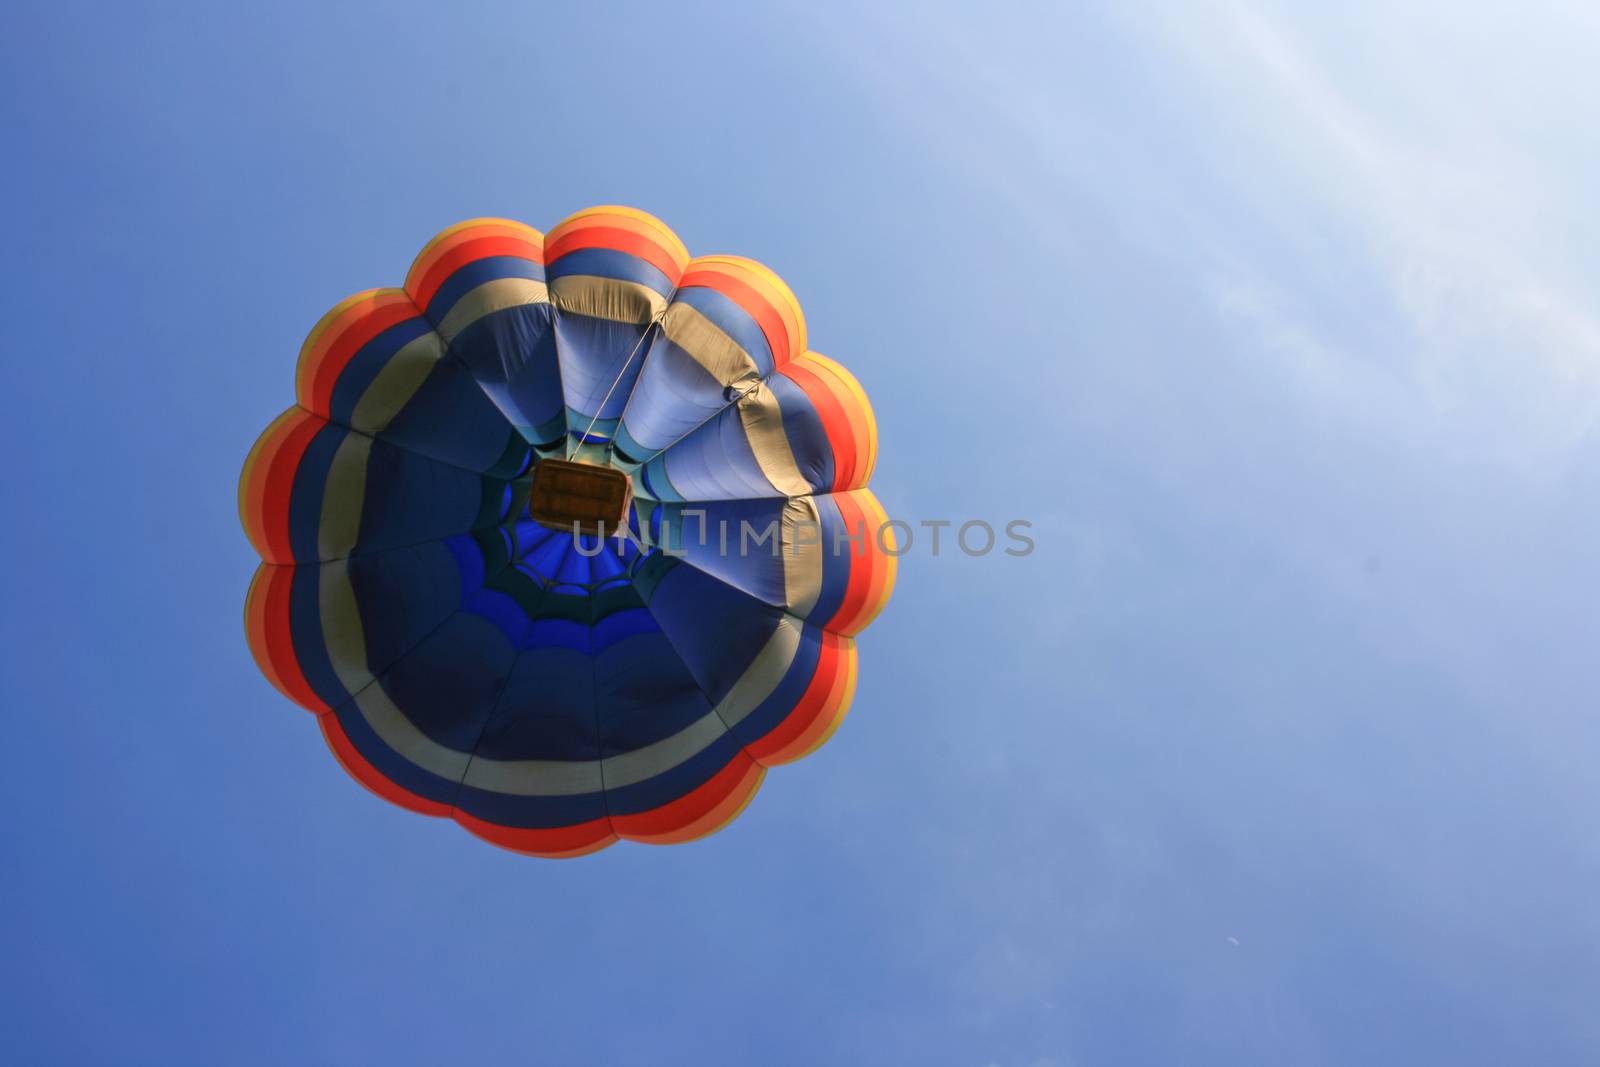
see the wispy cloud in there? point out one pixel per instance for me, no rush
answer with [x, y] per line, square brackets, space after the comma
[1474, 238]
[1426, 151]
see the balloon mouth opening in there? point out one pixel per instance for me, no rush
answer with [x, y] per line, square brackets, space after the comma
[568, 495]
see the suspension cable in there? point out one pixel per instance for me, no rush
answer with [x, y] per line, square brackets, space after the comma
[582, 439]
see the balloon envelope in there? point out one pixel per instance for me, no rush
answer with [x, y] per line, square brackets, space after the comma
[552, 691]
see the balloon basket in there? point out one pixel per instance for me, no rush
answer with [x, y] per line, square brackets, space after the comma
[567, 493]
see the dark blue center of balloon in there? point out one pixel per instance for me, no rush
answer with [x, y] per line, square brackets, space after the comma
[573, 565]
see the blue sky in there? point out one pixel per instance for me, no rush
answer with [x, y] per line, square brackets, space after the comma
[1279, 324]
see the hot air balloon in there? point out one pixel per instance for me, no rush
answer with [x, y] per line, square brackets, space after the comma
[438, 581]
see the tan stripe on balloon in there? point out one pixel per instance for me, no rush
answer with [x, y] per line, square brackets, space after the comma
[606, 298]
[397, 383]
[763, 675]
[488, 298]
[720, 355]
[762, 419]
[342, 633]
[342, 498]
[535, 778]
[802, 569]
[400, 734]
[569, 777]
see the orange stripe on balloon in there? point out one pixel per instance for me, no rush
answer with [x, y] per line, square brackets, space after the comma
[834, 707]
[886, 564]
[699, 812]
[558, 842]
[630, 219]
[841, 706]
[471, 229]
[616, 240]
[747, 297]
[272, 638]
[877, 563]
[275, 486]
[835, 421]
[253, 474]
[324, 356]
[489, 223]
[255, 626]
[770, 288]
[270, 485]
[255, 466]
[861, 564]
[863, 425]
[458, 253]
[727, 811]
[356, 765]
[847, 474]
[783, 742]
[880, 566]
[646, 231]
[323, 325]
[252, 488]
[871, 417]
[278, 640]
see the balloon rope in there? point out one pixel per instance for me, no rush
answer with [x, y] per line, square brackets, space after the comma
[732, 403]
[618, 381]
